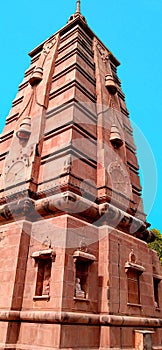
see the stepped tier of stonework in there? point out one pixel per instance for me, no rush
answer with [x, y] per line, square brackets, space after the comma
[75, 268]
[72, 112]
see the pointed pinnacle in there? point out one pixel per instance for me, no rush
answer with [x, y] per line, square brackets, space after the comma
[78, 6]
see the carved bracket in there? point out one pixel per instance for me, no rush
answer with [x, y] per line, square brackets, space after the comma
[22, 207]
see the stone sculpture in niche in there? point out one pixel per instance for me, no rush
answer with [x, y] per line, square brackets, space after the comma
[132, 257]
[83, 246]
[79, 293]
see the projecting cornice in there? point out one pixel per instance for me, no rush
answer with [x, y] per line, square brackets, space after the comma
[75, 205]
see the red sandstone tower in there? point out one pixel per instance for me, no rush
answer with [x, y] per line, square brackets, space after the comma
[75, 268]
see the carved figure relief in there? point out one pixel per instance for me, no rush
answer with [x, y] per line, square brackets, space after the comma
[132, 257]
[48, 46]
[83, 245]
[104, 53]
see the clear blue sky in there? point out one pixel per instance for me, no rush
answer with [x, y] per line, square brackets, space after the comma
[132, 30]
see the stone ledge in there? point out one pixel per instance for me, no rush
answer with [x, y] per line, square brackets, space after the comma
[72, 203]
[50, 317]
[129, 265]
[81, 299]
[134, 305]
[157, 277]
[84, 256]
[41, 297]
[35, 347]
[44, 254]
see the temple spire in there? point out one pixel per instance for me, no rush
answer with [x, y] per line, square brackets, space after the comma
[78, 7]
[77, 13]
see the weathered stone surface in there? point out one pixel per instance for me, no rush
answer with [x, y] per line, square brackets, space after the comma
[71, 208]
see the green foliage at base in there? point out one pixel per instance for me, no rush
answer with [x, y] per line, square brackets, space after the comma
[157, 244]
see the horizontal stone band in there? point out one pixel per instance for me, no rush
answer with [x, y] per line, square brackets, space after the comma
[78, 318]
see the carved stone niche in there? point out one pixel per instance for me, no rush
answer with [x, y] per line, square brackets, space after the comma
[156, 282]
[143, 339]
[43, 260]
[82, 261]
[133, 271]
[131, 264]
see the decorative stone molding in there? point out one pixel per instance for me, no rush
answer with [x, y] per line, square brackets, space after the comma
[69, 197]
[62, 317]
[67, 165]
[5, 213]
[83, 256]
[37, 74]
[110, 84]
[22, 207]
[157, 277]
[24, 131]
[75, 204]
[136, 267]
[69, 202]
[145, 235]
[48, 46]
[125, 221]
[114, 214]
[44, 254]
[103, 52]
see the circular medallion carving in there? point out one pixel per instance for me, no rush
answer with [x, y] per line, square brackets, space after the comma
[119, 178]
[16, 173]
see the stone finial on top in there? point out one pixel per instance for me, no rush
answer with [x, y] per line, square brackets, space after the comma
[77, 13]
[78, 6]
